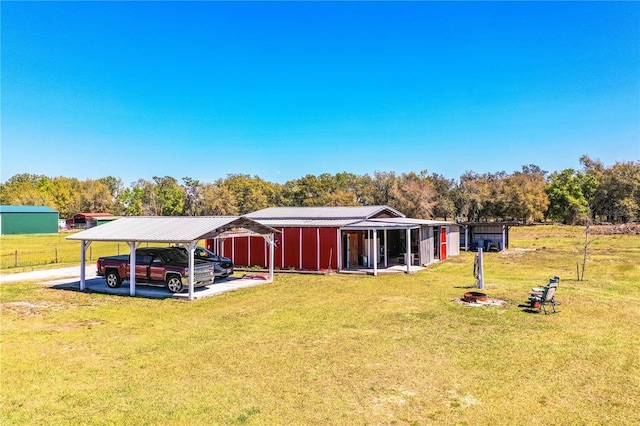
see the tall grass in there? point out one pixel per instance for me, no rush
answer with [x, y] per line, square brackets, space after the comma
[341, 349]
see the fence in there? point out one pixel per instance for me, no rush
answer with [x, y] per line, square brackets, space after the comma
[63, 253]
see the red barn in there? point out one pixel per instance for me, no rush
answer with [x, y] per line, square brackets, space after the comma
[340, 238]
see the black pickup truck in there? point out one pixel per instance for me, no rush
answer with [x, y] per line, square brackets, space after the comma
[159, 266]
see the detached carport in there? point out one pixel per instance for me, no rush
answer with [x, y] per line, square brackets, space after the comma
[187, 230]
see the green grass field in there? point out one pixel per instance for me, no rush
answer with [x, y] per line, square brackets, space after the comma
[341, 349]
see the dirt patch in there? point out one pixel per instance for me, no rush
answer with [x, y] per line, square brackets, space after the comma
[488, 302]
[28, 308]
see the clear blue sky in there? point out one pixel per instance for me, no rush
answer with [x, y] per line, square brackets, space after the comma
[284, 89]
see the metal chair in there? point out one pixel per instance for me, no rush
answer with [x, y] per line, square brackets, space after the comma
[541, 298]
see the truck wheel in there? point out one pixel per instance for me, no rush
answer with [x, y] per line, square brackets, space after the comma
[174, 283]
[113, 279]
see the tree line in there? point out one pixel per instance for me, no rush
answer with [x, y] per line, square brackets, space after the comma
[594, 193]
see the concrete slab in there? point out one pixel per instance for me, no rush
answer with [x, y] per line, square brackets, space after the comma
[98, 285]
[69, 279]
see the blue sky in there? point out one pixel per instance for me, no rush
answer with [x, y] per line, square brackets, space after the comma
[284, 89]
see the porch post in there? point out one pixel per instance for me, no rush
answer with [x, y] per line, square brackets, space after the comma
[386, 260]
[466, 238]
[339, 248]
[368, 265]
[375, 253]
[408, 251]
[504, 237]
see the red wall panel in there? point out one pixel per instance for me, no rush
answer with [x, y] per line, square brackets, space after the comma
[310, 248]
[291, 239]
[329, 248]
[277, 252]
[241, 251]
[257, 252]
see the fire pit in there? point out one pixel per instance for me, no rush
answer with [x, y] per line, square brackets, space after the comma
[474, 297]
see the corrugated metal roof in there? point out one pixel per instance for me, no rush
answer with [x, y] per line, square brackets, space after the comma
[306, 223]
[168, 229]
[395, 223]
[27, 209]
[346, 212]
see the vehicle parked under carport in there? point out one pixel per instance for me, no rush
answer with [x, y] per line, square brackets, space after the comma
[223, 266]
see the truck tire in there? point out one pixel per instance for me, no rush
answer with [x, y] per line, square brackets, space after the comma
[113, 279]
[174, 283]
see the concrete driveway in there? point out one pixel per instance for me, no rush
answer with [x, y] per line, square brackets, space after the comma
[69, 279]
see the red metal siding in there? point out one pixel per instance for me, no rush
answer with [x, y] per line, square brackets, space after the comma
[241, 251]
[257, 252]
[310, 248]
[291, 237]
[226, 248]
[277, 252]
[329, 248]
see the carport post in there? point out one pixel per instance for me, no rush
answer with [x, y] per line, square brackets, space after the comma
[192, 248]
[84, 245]
[271, 241]
[132, 268]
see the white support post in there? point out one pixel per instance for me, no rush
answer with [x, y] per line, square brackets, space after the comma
[480, 270]
[504, 237]
[375, 253]
[466, 238]
[368, 248]
[132, 268]
[386, 260]
[192, 249]
[408, 251]
[84, 245]
[272, 245]
[300, 247]
[339, 249]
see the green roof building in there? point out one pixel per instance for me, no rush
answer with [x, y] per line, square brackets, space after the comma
[28, 220]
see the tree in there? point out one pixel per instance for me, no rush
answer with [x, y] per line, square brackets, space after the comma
[567, 202]
[524, 194]
[192, 196]
[414, 195]
[445, 206]
[169, 196]
[218, 200]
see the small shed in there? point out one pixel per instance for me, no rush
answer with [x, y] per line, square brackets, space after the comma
[28, 220]
[490, 236]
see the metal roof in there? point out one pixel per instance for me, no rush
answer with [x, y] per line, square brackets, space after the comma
[306, 223]
[396, 223]
[181, 229]
[27, 209]
[319, 213]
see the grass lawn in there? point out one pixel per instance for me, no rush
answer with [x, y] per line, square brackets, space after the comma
[341, 349]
